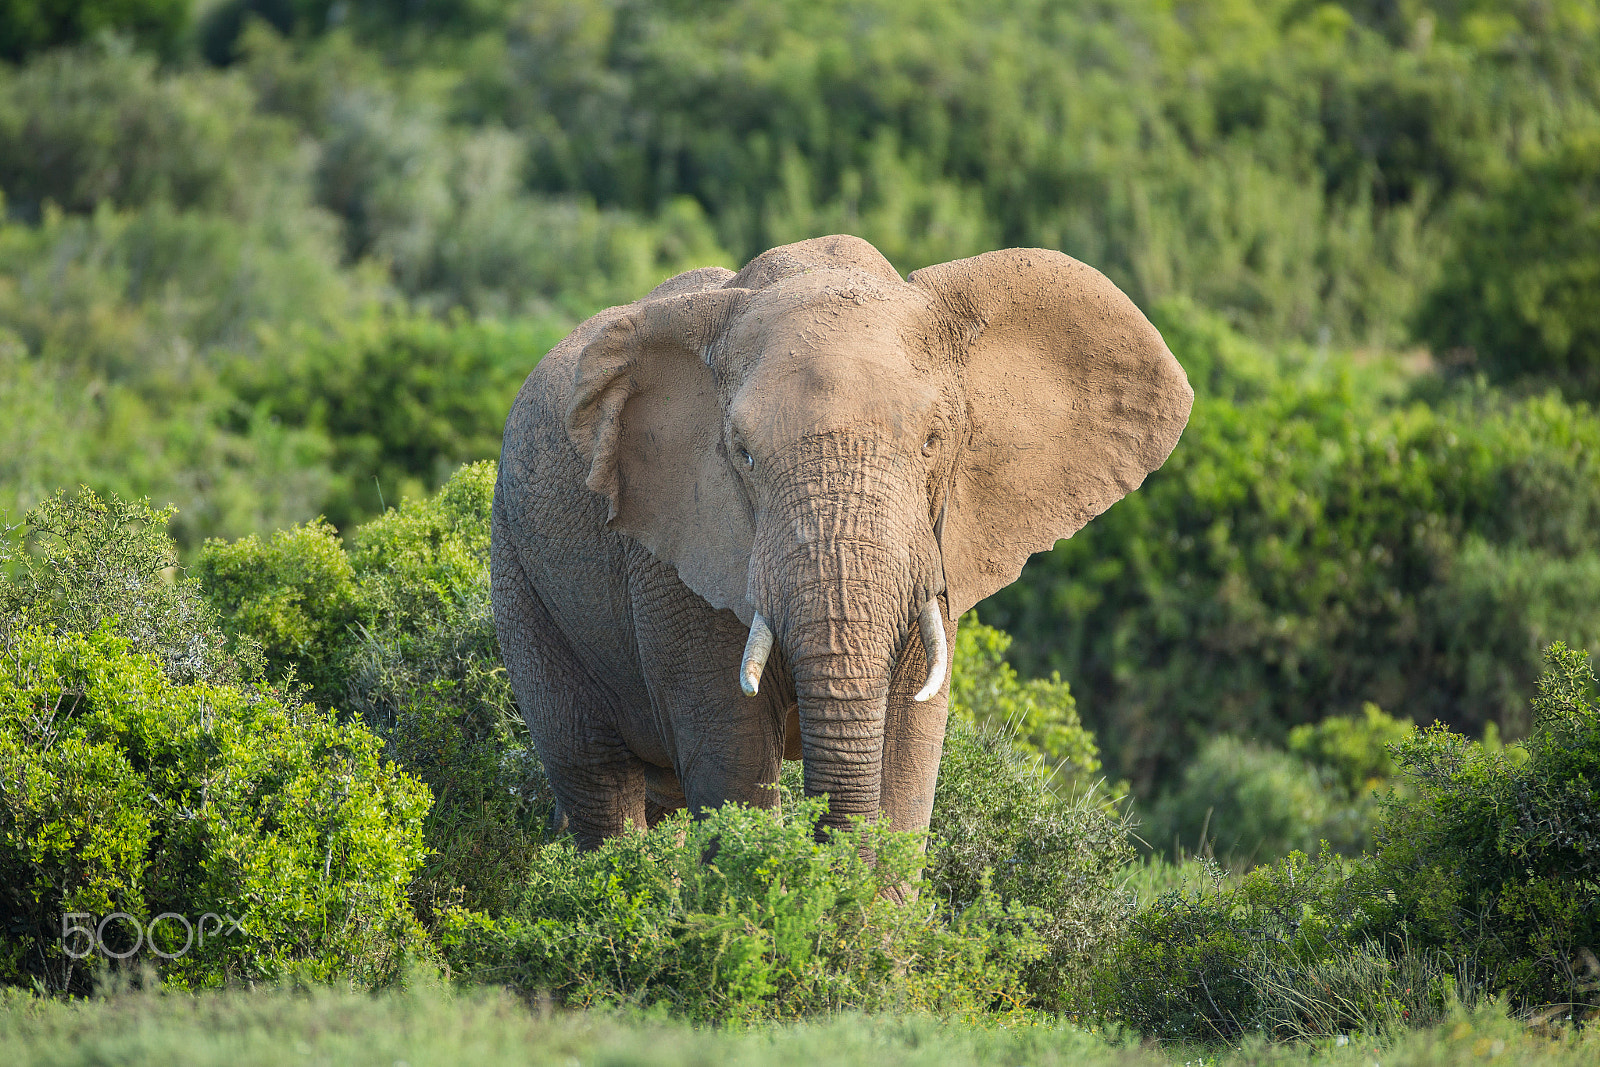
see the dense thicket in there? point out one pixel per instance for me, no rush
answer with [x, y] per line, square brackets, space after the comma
[1483, 881]
[160, 762]
[1517, 296]
[159, 796]
[293, 258]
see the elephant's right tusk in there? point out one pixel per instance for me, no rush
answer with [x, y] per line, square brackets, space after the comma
[933, 644]
[756, 650]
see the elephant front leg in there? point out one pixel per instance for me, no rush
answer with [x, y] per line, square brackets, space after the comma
[722, 745]
[914, 736]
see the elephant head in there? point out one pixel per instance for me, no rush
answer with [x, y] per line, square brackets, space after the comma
[841, 457]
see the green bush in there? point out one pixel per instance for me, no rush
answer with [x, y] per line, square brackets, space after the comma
[998, 827]
[293, 596]
[1244, 803]
[1494, 857]
[426, 672]
[1270, 953]
[86, 562]
[400, 630]
[744, 915]
[92, 126]
[1359, 752]
[402, 399]
[1482, 884]
[28, 26]
[126, 792]
[1039, 714]
[145, 768]
[1516, 298]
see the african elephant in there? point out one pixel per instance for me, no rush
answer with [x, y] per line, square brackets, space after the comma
[737, 521]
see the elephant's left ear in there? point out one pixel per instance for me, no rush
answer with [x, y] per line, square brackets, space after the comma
[1072, 398]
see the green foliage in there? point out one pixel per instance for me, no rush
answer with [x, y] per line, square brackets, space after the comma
[87, 562]
[1313, 545]
[400, 630]
[294, 596]
[1268, 953]
[1357, 750]
[125, 792]
[1039, 714]
[425, 670]
[746, 915]
[28, 26]
[1516, 297]
[998, 828]
[1280, 161]
[1244, 803]
[1494, 857]
[101, 125]
[402, 399]
[1482, 884]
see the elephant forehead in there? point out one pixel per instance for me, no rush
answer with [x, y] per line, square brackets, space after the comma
[832, 311]
[832, 350]
[859, 388]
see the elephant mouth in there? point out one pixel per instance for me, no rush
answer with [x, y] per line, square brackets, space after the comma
[759, 646]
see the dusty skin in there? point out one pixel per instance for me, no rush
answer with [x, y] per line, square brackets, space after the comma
[734, 517]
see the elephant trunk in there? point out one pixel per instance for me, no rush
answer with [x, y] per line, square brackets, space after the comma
[843, 579]
[841, 661]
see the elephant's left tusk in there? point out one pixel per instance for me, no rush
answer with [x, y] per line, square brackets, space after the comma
[933, 644]
[756, 650]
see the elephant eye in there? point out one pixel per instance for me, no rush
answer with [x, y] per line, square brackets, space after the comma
[927, 446]
[749, 460]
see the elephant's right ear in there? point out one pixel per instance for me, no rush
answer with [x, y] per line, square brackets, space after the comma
[646, 414]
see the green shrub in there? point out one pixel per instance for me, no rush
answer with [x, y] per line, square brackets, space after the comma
[1039, 714]
[1517, 295]
[28, 26]
[1494, 857]
[998, 827]
[92, 126]
[402, 399]
[294, 596]
[126, 792]
[1269, 953]
[426, 673]
[1244, 803]
[745, 915]
[1482, 884]
[400, 630]
[1357, 751]
[88, 562]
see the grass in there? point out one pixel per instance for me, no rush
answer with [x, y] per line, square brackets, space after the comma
[435, 1027]
[1150, 876]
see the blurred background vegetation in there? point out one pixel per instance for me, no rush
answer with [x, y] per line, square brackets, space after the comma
[274, 259]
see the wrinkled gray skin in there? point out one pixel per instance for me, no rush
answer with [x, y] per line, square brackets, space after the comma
[821, 442]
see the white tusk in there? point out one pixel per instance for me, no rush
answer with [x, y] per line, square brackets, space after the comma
[933, 644]
[756, 650]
